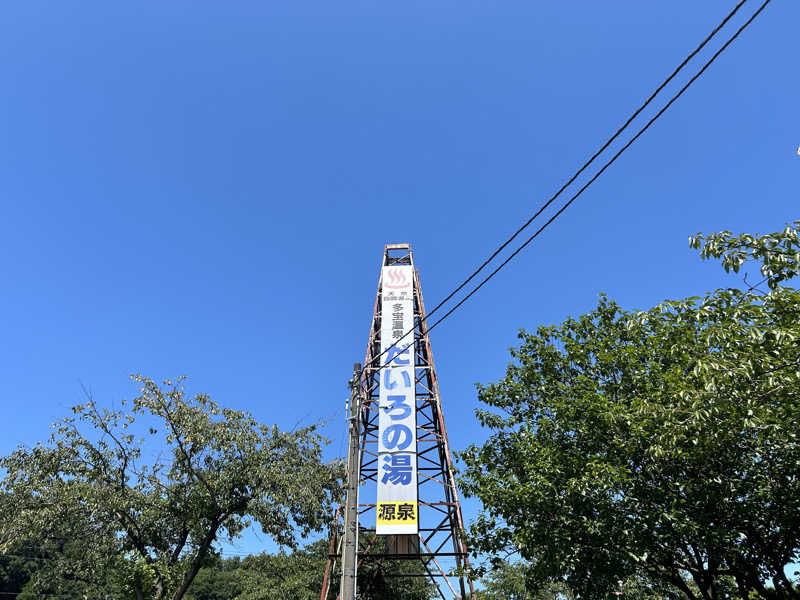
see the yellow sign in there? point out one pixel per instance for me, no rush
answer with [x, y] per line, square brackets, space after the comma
[397, 513]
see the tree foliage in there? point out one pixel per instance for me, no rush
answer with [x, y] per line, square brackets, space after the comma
[660, 444]
[298, 575]
[509, 581]
[16, 568]
[294, 574]
[284, 575]
[113, 520]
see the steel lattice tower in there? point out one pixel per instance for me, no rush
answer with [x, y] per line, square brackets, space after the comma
[438, 544]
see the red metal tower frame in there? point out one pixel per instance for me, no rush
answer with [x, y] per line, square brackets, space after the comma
[440, 516]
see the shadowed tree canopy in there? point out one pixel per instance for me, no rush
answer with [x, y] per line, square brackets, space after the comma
[129, 502]
[508, 581]
[298, 575]
[661, 444]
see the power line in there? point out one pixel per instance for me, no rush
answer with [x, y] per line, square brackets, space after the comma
[76, 596]
[221, 553]
[23, 556]
[593, 157]
[583, 168]
[607, 164]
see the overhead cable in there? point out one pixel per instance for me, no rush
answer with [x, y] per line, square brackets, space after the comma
[606, 165]
[583, 168]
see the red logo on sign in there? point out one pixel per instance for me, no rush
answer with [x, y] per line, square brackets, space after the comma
[395, 278]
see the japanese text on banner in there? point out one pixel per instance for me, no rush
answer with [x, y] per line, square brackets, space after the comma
[397, 420]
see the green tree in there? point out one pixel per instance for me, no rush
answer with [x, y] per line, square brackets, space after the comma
[297, 575]
[119, 524]
[17, 567]
[508, 581]
[220, 580]
[660, 444]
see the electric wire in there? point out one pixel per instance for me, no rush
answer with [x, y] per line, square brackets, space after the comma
[593, 157]
[607, 164]
[581, 190]
[577, 173]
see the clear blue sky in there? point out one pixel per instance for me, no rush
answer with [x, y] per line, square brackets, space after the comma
[205, 188]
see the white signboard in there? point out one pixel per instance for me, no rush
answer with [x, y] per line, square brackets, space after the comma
[397, 510]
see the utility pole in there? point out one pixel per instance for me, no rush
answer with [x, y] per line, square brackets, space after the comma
[350, 545]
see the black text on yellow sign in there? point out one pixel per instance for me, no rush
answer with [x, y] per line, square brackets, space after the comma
[397, 513]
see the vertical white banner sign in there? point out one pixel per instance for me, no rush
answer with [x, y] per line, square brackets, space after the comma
[397, 510]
